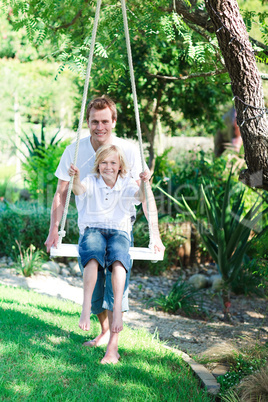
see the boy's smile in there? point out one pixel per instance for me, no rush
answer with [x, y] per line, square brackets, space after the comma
[109, 169]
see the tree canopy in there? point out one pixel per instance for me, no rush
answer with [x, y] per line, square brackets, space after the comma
[179, 64]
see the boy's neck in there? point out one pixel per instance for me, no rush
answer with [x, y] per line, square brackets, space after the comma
[109, 183]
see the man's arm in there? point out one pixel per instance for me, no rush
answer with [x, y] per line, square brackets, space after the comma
[56, 214]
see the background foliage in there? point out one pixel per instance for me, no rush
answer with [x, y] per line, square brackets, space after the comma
[180, 91]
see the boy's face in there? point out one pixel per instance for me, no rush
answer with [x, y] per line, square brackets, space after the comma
[109, 168]
[100, 124]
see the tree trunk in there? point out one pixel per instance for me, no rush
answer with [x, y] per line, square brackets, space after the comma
[246, 86]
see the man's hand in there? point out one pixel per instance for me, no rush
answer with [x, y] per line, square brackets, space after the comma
[56, 214]
[52, 239]
[158, 245]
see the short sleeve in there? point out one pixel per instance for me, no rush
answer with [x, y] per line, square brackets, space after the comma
[135, 163]
[64, 165]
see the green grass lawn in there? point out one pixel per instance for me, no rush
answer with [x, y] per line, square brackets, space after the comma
[42, 358]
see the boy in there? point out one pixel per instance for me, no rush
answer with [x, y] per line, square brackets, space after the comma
[105, 226]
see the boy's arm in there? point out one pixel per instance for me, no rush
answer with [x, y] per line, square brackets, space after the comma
[78, 187]
[153, 211]
[140, 194]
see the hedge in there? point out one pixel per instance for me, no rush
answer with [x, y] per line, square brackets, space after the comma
[28, 223]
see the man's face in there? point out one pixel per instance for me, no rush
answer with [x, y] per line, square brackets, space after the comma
[100, 125]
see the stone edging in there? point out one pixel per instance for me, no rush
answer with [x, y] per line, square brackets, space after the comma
[205, 377]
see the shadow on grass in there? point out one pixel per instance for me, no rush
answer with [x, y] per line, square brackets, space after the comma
[43, 358]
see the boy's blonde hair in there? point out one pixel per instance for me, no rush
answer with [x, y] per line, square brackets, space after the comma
[105, 151]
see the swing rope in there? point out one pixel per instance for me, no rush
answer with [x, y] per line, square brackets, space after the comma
[81, 119]
[137, 116]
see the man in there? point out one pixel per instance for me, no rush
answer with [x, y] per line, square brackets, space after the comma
[101, 119]
[228, 137]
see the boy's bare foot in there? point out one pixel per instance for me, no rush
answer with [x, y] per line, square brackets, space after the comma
[101, 339]
[110, 358]
[84, 322]
[117, 324]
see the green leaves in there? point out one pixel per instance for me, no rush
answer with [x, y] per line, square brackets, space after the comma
[227, 233]
[227, 227]
[29, 260]
[35, 146]
[180, 298]
[39, 169]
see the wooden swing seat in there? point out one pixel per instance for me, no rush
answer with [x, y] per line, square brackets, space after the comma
[136, 253]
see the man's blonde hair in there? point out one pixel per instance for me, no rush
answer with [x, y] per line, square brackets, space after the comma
[103, 152]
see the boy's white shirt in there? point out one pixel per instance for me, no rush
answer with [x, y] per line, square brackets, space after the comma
[105, 207]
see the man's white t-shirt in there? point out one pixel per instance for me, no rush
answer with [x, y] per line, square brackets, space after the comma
[86, 159]
[105, 207]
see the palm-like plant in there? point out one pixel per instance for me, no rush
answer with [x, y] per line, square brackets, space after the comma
[226, 234]
[36, 146]
[30, 260]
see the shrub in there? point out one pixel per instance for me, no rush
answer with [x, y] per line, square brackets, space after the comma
[185, 175]
[255, 386]
[171, 233]
[258, 266]
[33, 144]
[28, 223]
[181, 299]
[3, 187]
[9, 191]
[226, 231]
[252, 278]
[244, 366]
[40, 169]
[29, 260]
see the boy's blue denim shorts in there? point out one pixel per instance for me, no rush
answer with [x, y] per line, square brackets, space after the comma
[106, 246]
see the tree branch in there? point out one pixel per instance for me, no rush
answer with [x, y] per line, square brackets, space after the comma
[190, 76]
[197, 17]
[203, 33]
[259, 44]
[201, 19]
[68, 24]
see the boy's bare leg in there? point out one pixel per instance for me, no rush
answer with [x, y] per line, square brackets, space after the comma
[89, 281]
[118, 284]
[115, 317]
[103, 338]
[112, 355]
